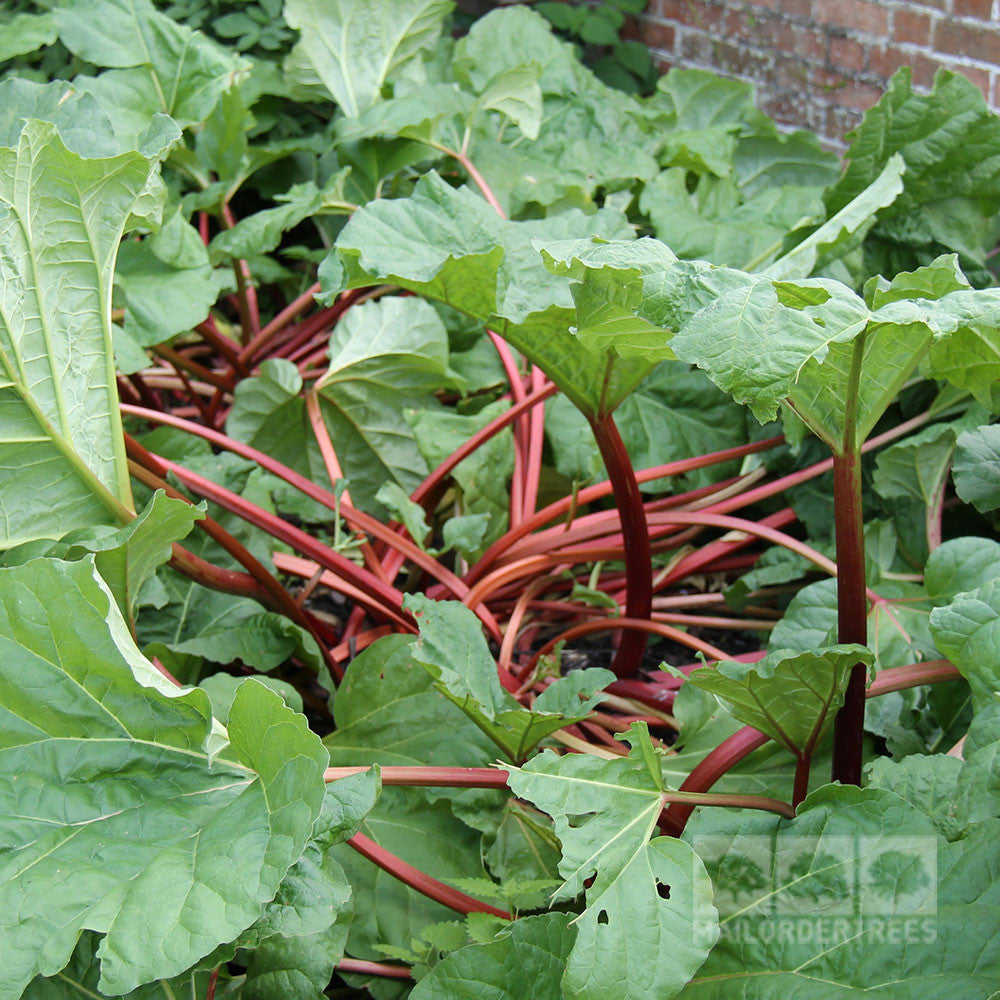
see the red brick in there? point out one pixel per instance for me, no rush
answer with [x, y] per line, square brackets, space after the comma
[775, 34]
[980, 77]
[974, 41]
[848, 54]
[973, 8]
[794, 8]
[849, 93]
[658, 35]
[910, 26]
[702, 14]
[996, 92]
[856, 15]
[883, 61]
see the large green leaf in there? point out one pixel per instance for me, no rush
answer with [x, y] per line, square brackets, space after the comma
[449, 244]
[949, 141]
[61, 219]
[977, 467]
[847, 227]
[127, 557]
[967, 631]
[159, 65]
[452, 649]
[526, 959]
[636, 937]
[385, 356]
[353, 48]
[897, 626]
[147, 861]
[845, 880]
[168, 287]
[790, 696]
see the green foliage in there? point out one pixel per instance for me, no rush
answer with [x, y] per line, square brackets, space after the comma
[175, 182]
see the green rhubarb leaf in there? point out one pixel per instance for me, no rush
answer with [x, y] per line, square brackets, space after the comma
[977, 467]
[26, 32]
[791, 696]
[949, 141]
[384, 356]
[222, 688]
[481, 479]
[897, 625]
[961, 564]
[62, 437]
[354, 48]
[80, 978]
[967, 631]
[857, 867]
[82, 124]
[928, 782]
[649, 920]
[163, 894]
[128, 557]
[451, 648]
[158, 64]
[917, 467]
[167, 284]
[516, 94]
[844, 229]
[526, 958]
[449, 244]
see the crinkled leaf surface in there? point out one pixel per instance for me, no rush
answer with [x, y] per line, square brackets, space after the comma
[61, 219]
[117, 821]
[636, 937]
[967, 631]
[159, 65]
[526, 959]
[790, 696]
[977, 467]
[452, 649]
[449, 244]
[353, 47]
[126, 558]
[950, 142]
[384, 356]
[167, 285]
[856, 863]
[961, 564]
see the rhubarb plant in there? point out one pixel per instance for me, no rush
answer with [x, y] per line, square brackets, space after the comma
[369, 393]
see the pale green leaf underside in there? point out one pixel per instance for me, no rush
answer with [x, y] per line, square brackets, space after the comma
[61, 219]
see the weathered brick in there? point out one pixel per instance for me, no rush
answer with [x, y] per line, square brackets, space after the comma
[851, 94]
[996, 91]
[846, 53]
[884, 60]
[709, 15]
[857, 15]
[911, 26]
[762, 31]
[973, 41]
[659, 36]
[973, 8]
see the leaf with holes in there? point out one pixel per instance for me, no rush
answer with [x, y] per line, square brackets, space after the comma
[649, 920]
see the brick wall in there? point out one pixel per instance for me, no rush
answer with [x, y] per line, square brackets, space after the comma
[819, 64]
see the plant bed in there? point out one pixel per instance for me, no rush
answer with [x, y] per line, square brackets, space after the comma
[381, 410]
